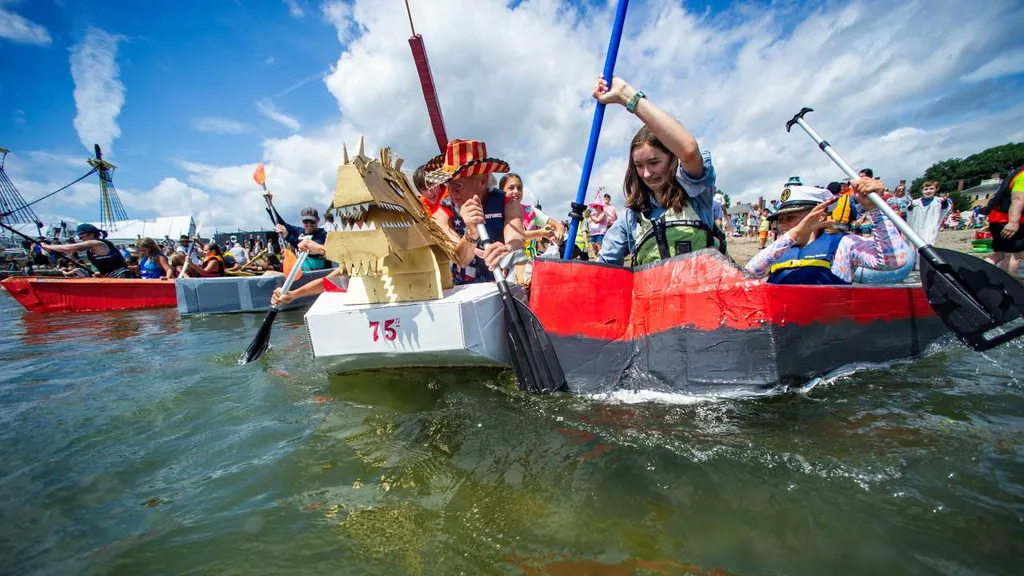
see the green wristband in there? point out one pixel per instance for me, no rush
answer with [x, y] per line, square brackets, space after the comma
[631, 107]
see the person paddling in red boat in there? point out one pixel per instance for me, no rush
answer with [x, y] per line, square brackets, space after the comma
[669, 186]
[465, 170]
[102, 253]
[811, 251]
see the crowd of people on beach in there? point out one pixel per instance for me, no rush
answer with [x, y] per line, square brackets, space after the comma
[810, 234]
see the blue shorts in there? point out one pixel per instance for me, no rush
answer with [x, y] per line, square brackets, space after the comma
[597, 238]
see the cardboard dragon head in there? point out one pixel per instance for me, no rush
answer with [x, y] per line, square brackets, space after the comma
[393, 251]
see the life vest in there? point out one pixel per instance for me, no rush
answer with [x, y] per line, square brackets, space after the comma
[672, 234]
[220, 264]
[494, 222]
[999, 205]
[810, 264]
[150, 267]
[843, 213]
[439, 204]
[109, 263]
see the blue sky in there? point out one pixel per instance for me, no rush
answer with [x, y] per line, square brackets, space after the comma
[210, 88]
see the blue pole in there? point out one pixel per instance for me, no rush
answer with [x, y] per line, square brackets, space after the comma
[595, 130]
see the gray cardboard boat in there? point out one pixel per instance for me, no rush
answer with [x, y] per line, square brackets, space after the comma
[233, 294]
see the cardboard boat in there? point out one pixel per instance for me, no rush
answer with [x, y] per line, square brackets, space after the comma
[694, 324]
[38, 294]
[232, 294]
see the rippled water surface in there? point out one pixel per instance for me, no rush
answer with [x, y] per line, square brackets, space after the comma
[132, 443]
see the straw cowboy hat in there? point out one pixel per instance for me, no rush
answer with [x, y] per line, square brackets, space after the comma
[462, 159]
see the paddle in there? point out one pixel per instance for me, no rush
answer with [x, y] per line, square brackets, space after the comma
[577, 207]
[69, 257]
[188, 253]
[288, 262]
[261, 342]
[529, 347]
[979, 302]
[254, 258]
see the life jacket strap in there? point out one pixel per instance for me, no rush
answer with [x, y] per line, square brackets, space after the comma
[796, 263]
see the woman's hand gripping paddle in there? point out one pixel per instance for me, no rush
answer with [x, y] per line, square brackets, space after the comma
[261, 342]
[529, 347]
[979, 302]
[289, 260]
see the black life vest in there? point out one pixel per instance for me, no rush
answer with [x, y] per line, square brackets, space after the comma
[111, 262]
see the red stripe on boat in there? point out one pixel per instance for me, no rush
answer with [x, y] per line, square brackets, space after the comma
[89, 294]
[702, 292]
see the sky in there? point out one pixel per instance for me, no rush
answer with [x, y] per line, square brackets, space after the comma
[186, 97]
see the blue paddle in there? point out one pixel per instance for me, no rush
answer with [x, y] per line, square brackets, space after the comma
[577, 207]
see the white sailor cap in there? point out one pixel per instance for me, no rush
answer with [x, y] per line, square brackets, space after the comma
[800, 198]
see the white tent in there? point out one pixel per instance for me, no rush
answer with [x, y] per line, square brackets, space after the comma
[128, 231]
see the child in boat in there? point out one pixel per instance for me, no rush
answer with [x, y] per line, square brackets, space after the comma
[808, 252]
[669, 186]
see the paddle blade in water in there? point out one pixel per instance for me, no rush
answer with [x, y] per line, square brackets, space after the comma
[262, 340]
[531, 352]
[980, 303]
[289, 263]
[260, 175]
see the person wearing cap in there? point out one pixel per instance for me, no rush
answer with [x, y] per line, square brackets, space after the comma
[669, 186]
[102, 253]
[310, 227]
[465, 170]
[184, 243]
[811, 251]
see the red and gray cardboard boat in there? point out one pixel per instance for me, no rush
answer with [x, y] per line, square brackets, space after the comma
[694, 324]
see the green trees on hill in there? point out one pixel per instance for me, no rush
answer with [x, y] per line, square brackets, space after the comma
[972, 170]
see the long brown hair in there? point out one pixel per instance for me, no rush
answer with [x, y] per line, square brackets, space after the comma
[504, 180]
[149, 245]
[673, 197]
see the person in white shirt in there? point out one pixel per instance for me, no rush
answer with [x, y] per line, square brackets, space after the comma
[183, 245]
[238, 252]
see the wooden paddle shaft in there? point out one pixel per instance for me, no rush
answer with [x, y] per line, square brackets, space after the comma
[900, 223]
[253, 259]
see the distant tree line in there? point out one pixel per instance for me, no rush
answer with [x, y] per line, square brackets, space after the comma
[972, 170]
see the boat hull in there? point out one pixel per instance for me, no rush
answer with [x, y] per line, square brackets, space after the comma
[465, 328]
[694, 324]
[89, 294]
[233, 294]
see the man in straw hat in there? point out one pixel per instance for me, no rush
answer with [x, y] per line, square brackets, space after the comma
[465, 170]
[811, 251]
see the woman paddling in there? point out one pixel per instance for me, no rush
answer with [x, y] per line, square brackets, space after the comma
[669, 186]
[102, 254]
[213, 264]
[152, 262]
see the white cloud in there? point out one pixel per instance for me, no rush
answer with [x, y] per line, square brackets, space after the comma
[887, 93]
[99, 93]
[17, 28]
[216, 125]
[267, 109]
[294, 8]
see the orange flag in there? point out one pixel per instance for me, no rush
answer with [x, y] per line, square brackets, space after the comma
[289, 263]
[260, 175]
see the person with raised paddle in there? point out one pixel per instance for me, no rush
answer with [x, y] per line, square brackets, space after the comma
[465, 169]
[310, 227]
[811, 251]
[669, 186]
[980, 303]
[102, 253]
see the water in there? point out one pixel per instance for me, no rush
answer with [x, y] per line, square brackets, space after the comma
[132, 443]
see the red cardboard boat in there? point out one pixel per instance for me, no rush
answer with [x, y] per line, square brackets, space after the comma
[698, 324]
[38, 294]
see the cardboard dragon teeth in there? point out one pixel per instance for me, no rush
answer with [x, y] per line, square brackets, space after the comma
[393, 251]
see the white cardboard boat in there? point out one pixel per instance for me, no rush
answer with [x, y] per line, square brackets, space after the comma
[465, 328]
[232, 294]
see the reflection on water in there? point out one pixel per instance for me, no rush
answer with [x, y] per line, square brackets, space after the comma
[133, 444]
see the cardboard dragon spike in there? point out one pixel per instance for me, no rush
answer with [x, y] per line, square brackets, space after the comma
[393, 251]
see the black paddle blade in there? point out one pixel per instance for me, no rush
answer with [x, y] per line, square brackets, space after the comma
[531, 351]
[980, 303]
[261, 342]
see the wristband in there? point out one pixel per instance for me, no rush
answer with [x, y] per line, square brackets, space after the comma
[631, 106]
